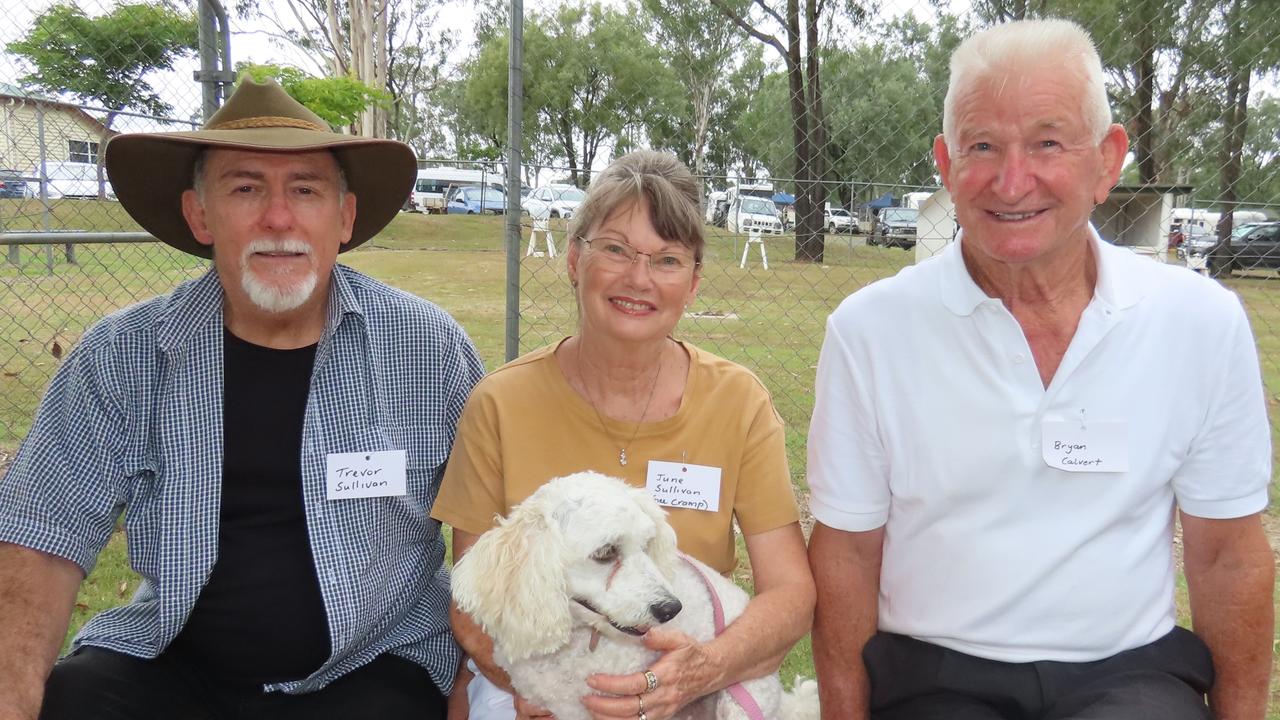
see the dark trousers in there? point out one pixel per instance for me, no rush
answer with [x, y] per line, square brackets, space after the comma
[97, 684]
[916, 680]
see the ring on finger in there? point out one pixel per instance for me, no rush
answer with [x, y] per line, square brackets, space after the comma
[642, 716]
[651, 681]
[641, 699]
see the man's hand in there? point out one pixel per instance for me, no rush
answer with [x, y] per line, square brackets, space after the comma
[37, 593]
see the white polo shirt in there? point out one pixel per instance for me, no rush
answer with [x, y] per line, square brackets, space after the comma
[929, 417]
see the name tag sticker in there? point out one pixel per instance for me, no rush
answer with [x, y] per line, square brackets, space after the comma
[683, 485]
[1095, 446]
[365, 475]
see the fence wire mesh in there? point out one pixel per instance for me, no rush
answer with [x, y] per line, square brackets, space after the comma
[815, 151]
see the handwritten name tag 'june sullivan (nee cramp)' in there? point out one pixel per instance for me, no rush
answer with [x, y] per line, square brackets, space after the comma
[684, 485]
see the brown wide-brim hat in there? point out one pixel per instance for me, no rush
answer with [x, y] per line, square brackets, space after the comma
[150, 171]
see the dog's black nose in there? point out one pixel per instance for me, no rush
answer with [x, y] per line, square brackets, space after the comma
[666, 609]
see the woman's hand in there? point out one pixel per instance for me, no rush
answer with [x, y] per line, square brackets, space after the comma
[526, 710]
[686, 671]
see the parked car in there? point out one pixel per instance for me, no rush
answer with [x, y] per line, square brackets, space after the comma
[475, 200]
[13, 185]
[1202, 241]
[1257, 249]
[895, 227]
[72, 180]
[839, 220]
[432, 186]
[553, 201]
[750, 214]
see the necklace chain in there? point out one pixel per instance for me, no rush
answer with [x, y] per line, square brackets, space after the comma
[653, 386]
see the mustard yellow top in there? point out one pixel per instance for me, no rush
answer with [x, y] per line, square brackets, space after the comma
[525, 425]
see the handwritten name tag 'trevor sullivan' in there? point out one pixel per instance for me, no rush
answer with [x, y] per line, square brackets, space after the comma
[365, 474]
[682, 485]
[1093, 446]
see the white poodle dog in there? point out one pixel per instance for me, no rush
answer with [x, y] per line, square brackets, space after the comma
[568, 583]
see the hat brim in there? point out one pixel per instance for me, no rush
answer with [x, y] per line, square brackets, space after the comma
[150, 171]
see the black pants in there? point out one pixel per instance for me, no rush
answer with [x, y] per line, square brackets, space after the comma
[915, 680]
[97, 684]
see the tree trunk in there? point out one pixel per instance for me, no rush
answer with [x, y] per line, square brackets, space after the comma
[334, 30]
[1143, 128]
[1237, 112]
[800, 126]
[810, 241]
[1234, 124]
[382, 43]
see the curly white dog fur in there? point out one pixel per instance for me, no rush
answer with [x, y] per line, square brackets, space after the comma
[584, 555]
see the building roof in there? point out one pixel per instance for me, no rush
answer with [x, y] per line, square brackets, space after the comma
[1157, 189]
[9, 90]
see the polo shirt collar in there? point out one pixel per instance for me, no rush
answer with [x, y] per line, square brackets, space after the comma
[962, 296]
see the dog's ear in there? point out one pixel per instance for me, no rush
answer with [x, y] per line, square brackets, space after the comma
[512, 583]
[663, 548]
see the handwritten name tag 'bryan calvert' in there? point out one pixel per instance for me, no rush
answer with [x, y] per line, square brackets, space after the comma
[682, 485]
[1095, 446]
[366, 474]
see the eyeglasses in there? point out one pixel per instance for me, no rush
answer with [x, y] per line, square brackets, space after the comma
[668, 265]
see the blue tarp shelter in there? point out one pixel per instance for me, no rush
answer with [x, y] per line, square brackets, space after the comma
[884, 201]
[781, 198]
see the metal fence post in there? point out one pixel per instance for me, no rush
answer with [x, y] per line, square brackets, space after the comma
[215, 56]
[515, 140]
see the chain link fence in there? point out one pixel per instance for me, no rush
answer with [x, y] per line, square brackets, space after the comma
[815, 155]
[71, 77]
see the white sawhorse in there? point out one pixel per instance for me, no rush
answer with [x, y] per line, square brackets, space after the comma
[542, 225]
[754, 237]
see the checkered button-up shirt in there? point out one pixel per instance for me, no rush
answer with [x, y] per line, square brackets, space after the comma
[133, 422]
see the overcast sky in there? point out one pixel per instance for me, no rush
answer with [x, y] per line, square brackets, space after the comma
[250, 43]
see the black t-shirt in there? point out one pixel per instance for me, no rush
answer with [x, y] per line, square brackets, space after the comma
[261, 618]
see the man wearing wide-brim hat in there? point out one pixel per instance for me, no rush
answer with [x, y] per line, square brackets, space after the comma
[273, 432]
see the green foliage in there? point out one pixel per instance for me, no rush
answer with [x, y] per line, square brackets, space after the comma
[589, 75]
[339, 100]
[103, 60]
[1199, 153]
[699, 45]
[883, 106]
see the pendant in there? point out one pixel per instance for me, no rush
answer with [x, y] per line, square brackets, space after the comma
[622, 457]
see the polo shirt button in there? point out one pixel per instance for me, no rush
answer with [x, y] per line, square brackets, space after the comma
[1018, 358]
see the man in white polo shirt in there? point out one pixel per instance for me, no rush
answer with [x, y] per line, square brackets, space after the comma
[1000, 440]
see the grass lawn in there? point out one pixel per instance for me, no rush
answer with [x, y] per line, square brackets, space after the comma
[771, 321]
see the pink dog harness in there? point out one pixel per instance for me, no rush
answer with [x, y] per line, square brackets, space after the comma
[736, 690]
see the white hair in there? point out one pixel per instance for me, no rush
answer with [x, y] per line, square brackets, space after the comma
[1022, 43]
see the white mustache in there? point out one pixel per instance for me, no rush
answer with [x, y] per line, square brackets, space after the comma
[282, 245]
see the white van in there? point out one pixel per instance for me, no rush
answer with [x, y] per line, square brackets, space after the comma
[64, 179]
[433, 184]
[751, 214]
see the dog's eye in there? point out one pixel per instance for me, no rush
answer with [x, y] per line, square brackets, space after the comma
[605, 554]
